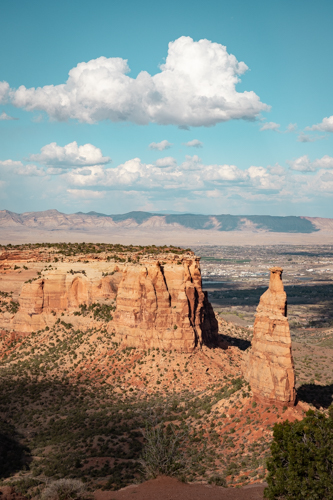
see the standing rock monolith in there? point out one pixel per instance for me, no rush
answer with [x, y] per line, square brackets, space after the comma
[268, 364]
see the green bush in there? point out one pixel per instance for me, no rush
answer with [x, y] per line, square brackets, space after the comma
[301, 462]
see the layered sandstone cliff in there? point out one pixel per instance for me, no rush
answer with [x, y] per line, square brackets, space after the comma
[163, 305]
[158, 302]
[268, 365]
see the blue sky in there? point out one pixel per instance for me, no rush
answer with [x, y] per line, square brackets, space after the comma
[221, 107]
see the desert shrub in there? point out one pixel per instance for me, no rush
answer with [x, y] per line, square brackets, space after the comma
[13, 307]
[218, 480]
[301, 462]
[64, 489]
[164, 451]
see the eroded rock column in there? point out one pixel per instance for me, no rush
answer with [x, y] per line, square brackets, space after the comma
[268, 364]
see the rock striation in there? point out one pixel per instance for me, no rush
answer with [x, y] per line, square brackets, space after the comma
[163, 305]
[159, 302]
[268, 364]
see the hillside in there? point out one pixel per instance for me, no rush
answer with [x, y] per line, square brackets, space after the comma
[90, 394]
[52, 219]
[145, 228]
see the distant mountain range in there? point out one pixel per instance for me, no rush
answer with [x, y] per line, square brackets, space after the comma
[52, 220]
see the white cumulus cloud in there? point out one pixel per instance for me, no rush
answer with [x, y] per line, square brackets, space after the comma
[19, 168]
[304, 164]
[168, 161]
[194, 144]
[70, 155]
[195, 87]
[160, 146]
[325, 126]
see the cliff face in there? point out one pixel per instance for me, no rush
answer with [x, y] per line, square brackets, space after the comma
[158, 303]
[60, 291]
[164, 306]
[268, 365]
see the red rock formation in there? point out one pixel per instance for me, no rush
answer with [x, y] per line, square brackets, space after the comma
[164, 306]
[158, 303]
[268, 365]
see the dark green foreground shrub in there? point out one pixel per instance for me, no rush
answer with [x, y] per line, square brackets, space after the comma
[301, 464]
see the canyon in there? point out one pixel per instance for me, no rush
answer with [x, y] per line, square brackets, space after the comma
[97, 339]
[153, 301]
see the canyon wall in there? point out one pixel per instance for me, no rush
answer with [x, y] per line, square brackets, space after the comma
[268, 365]
[164, 306]
[158, 303]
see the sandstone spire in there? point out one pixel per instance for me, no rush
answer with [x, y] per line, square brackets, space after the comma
[269, 365]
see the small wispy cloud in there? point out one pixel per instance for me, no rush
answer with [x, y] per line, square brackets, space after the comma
[195, 143]
[37, 118]
[270, 126]
[4, 117]
[309, 138]
[292, 127]
[160, 146]
[86, 193]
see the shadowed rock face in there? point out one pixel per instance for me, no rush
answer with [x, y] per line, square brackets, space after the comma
[268, 365]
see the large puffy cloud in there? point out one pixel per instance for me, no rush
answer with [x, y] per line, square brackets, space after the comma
[195, 87]
[304, 164]
[70, 155]
[325, 126]
[188, 181]
[192, 174]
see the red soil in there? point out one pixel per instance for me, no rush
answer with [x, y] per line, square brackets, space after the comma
[167, 488]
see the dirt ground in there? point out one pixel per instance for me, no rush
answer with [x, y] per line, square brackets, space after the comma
[167, 488]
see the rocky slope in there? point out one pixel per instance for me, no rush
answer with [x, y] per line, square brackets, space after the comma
[269, 365]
